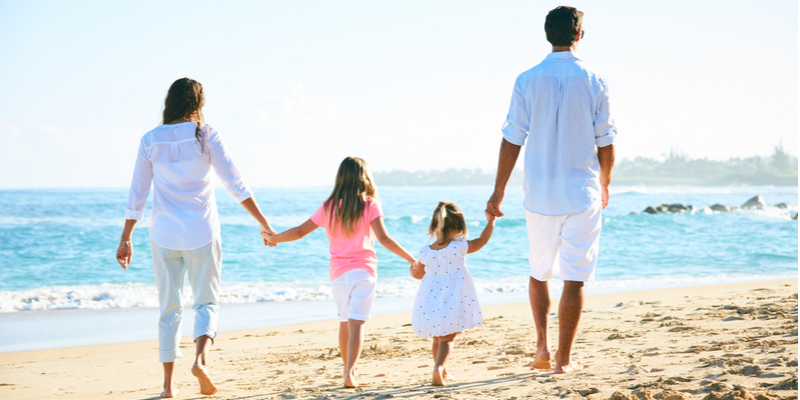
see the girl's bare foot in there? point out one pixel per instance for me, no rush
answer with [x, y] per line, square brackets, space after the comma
[206, 386]
[170, 392]
[350, 382]
[542, 361]
[438, 377]
[446, 375]
[571, 367]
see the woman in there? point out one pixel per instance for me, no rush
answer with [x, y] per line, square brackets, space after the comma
[177, 157]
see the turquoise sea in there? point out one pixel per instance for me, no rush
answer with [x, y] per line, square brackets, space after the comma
[57, 246]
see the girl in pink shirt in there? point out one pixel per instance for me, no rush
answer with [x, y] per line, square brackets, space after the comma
[352, 219]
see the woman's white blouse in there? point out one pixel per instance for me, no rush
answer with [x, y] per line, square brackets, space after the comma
[184, 213]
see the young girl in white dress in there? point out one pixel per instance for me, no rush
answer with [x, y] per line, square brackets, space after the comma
[447, 302]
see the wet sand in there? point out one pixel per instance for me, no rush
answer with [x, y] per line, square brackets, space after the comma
[736, 341]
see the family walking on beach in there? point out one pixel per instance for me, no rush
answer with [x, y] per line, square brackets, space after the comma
[559, 107]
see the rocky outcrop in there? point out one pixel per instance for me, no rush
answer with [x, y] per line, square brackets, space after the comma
[782, 206]
[669, 208]
[720, 208]
[756, 203]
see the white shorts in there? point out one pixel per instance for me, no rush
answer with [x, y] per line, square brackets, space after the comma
[353, 292]
[565, 246]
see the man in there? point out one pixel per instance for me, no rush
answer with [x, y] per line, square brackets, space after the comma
[561, 108]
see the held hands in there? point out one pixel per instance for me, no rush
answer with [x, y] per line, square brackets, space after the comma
[267, 233]
[124, 254]
[489, 216]
[604, 195]
[417, 269]
[493, 205]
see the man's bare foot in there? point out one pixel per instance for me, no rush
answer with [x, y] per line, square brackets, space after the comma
[542, 361]
[170, 392]
[438, 377]
[206, 386]
[569, 368]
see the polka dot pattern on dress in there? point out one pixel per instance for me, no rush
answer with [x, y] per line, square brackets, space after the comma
[446, 301]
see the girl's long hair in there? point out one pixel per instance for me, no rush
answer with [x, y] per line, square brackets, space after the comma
[447, 217]
[345, 206]
[185, 100]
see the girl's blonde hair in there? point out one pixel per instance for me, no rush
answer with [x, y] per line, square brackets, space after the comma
[447, 217]
[345, 205]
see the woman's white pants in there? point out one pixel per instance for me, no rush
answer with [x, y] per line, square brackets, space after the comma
[203, 266]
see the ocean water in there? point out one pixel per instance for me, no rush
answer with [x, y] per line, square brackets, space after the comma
[57, 246]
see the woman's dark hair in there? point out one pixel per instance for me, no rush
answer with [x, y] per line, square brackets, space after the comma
[562, 25]
[185, 100]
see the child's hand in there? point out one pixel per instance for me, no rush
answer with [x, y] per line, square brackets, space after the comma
[489, 216]
[417, 270]
[268, 239]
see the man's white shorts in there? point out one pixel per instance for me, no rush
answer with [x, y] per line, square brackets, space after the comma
[353, 292]
[565, 246]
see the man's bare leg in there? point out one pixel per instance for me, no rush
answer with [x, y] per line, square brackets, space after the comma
[539, 293]
[354, 341]
[199, 370]
[170, 387]
[442, 355]
[569, 315]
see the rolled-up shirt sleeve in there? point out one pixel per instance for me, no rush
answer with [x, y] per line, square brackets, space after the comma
[605, 131]
[226, 170]
[517, 125]
[140, 185]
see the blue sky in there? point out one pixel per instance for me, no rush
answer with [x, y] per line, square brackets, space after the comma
[296, 86]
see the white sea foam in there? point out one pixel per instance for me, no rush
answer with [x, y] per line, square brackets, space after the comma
[131, 295]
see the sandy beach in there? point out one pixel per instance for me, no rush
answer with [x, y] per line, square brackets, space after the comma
[736, 341]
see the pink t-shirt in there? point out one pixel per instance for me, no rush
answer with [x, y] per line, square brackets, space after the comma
[356, 251]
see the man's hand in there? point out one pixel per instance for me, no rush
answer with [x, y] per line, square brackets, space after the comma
[124, 255]
[493, 205]
[604, 195]
[417, 270]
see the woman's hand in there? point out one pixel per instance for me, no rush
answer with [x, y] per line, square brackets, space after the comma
[124, 254]
[266, 230]
[267, 236]
[489, 216]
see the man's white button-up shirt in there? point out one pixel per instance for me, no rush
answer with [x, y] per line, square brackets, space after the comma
[184, 213]
[561, 108]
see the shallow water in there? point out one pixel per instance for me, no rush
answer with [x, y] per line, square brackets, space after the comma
[57, 246]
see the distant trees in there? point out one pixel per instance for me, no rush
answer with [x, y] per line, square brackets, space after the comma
[779, 169]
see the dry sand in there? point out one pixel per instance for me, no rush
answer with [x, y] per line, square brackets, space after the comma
[736, 341]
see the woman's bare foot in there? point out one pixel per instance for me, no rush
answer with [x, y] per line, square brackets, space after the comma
[542, 361]
[571, 367]
[438, 377]
[170, 392]
[206, 386]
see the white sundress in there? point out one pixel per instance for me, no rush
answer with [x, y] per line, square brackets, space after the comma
[446, 302]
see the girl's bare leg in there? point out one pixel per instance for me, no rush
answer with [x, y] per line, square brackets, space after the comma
[202, 346]
[445, 375]
[344, 335]
[354, 341]
[170, 387]
[442, 355]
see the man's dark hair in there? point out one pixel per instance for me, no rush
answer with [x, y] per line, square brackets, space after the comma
[562, 25]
